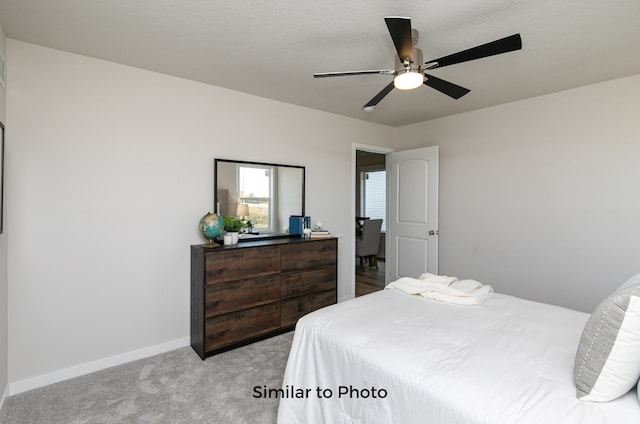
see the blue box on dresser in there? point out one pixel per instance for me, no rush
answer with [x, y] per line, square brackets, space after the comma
[296, 224]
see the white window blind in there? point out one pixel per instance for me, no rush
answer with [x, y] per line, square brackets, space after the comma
[375, 195]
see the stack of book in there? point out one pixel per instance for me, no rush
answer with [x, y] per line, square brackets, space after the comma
[320, 234]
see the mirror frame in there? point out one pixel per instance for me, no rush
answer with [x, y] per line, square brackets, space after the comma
[215, 187]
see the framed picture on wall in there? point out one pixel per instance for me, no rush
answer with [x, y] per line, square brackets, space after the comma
[1, 172]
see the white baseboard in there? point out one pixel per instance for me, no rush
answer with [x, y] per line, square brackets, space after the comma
[77, 371]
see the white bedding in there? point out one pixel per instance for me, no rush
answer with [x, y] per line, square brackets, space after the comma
[506, 361]
[444, 289]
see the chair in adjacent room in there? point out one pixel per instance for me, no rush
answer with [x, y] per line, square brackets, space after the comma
[367, 246]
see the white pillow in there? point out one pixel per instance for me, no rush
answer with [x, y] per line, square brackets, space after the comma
[633, 280]
[607, 361]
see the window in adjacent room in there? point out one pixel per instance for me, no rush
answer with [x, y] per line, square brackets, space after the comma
[374, 195]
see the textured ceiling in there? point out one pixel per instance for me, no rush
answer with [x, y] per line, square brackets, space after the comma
[272, 48]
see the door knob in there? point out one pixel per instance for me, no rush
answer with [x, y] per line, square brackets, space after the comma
[433, 233]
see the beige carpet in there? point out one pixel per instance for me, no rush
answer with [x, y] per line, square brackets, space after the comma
[174, 387]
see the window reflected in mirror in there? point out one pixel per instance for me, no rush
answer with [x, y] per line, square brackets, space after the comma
[255, 188]
[263, 193]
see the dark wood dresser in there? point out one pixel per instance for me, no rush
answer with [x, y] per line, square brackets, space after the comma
[257, 289]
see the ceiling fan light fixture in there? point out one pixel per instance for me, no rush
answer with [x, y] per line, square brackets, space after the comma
[408, 80]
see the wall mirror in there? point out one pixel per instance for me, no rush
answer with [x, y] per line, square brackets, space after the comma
[268, 193]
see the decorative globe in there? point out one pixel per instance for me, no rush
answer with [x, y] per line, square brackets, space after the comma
[211, 226]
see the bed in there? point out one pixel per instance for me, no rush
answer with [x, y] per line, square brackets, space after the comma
[390, 357]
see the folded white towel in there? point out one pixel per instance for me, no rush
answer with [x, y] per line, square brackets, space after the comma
[444, 289]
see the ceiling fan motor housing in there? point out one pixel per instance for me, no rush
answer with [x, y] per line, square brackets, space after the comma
[414, 65]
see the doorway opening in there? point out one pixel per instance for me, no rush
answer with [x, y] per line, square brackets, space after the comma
[370, 207]
[411, 235]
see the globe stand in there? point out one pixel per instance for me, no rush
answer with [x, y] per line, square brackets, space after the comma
[212, 244]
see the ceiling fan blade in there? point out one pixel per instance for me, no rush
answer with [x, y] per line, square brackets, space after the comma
[446, 87]
[348, 73]
[503, 45]
[400, 30]
[381, 95]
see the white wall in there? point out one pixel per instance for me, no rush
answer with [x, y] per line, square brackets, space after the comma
[111, 169]
[4, 341]
[539, 198]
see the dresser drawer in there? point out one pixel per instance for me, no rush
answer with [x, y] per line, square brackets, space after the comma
[308, 254]
[291, 310]
[236, 264]
[223, 330]
[232, 296]
[298, 283]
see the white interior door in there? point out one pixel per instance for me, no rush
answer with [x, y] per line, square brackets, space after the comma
[412, 228]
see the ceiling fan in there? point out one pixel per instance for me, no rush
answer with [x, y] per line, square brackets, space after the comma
[409, 72]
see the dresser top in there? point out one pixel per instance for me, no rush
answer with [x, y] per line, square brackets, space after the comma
[261, 242]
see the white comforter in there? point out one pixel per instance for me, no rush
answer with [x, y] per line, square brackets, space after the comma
[506, 361]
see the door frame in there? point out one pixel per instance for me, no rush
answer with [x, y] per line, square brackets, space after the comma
[373, 149]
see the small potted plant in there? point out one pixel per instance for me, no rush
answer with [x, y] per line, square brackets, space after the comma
[232, 226]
